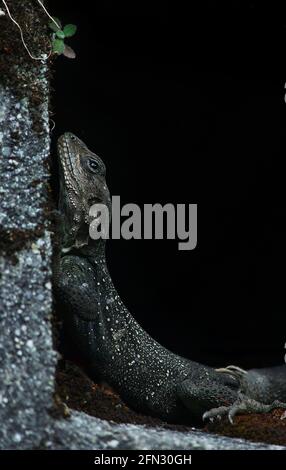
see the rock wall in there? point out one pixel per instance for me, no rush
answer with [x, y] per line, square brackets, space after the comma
[27, 357]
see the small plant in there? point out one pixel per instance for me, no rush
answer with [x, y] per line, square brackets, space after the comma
[59, 34]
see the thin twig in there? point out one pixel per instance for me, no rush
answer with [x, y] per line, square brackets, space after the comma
[46, 11]
[54, 125]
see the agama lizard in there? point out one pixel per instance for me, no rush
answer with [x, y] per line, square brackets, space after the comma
[149, 378]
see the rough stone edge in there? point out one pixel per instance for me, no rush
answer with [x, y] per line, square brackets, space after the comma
[85, 432]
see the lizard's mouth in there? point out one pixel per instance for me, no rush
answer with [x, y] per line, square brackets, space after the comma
[65, 156]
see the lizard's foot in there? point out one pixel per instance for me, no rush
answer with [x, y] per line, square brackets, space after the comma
[234, 371]
[243, 405]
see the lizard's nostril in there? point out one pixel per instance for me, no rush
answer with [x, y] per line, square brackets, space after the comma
[69, 135]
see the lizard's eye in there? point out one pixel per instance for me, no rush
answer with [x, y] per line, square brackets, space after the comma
[93, 165]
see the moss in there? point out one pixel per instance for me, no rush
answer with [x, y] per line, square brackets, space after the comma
[14, 240]
[25, 76]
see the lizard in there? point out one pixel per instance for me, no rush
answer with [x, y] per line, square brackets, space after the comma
[113, 346]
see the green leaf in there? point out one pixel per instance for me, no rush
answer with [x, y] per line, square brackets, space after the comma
[58, 46]
[69, 30]
[53, 26]
[60, 34]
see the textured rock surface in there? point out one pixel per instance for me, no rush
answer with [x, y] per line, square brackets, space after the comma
[84, 432]
[27, 358]
[26, 355]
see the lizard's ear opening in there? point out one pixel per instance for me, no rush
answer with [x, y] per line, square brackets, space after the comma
[82, 235]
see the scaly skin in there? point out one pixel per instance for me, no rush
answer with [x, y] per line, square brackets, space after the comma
[105, 335]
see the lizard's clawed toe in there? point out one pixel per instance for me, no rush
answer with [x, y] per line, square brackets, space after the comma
[215, 413]
[243, 405]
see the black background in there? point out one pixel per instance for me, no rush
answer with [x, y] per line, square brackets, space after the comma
[186, 105]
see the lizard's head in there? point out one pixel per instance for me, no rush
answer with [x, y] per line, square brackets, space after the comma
[82, 184]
